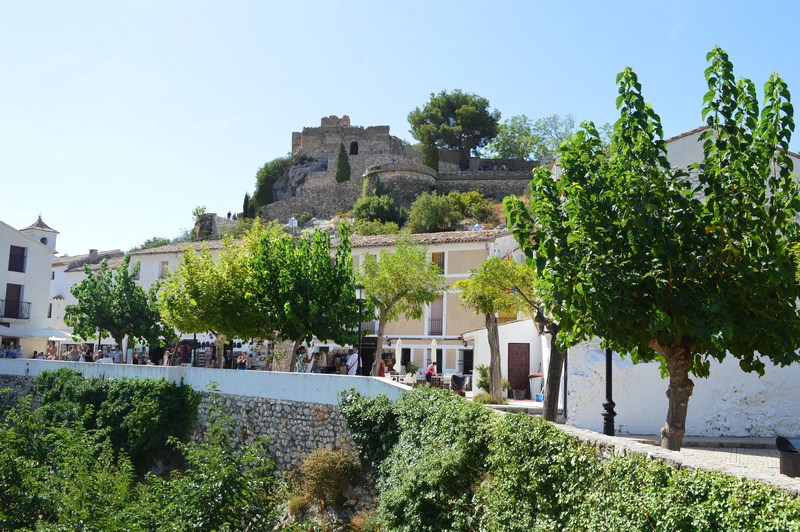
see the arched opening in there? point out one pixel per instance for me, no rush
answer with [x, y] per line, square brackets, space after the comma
[354, 148]
[43, 240]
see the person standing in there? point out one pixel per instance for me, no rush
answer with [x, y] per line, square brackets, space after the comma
[430, 372]
[302, 359]
[352, 362]
[315, 363]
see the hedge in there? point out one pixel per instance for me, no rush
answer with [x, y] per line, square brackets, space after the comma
[445, 463]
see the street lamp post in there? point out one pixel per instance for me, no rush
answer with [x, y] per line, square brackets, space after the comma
[608, 412]
[360, 293]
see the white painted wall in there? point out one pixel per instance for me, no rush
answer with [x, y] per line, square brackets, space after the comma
[728, 403]
[516, 332]
[300, 387]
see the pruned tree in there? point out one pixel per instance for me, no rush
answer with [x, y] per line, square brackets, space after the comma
[111, 303]
[399, 282]
[453, 120]
[499, 285]
[634, 252]
[304, 290]
[205, 293]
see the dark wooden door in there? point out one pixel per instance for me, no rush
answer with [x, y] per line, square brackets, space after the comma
[519, 356]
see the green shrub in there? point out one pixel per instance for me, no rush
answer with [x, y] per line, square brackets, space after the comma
[328, 473]
[137, 415]
[377, 209]
[372, 424]
[298, 505]
[483, 381]
[426, 482]
[367, 228]
[432, 213]
[484, 399]
[477, 207]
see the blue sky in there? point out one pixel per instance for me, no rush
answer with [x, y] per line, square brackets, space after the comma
[118, 118]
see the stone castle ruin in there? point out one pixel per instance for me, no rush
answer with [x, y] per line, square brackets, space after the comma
[310, 185]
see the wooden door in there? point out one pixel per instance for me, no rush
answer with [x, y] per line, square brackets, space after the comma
[519, 356]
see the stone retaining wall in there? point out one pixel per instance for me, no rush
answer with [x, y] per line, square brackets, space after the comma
[294, 429]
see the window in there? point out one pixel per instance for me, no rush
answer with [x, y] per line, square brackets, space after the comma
[43, 240]
[467, 361]
[13, 306]
[435, 325]
[52, 275]
[163, 269]
[438, 259]
[354, 148]
[50, 311]
[405, 356]
[16, 259]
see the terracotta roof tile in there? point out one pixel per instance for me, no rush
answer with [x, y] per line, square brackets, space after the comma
[41, 226]
[449, 237]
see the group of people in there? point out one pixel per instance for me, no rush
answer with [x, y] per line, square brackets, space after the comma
[10, 351]
[346, 363]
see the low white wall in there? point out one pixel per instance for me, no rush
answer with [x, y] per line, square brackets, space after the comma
[728, 403]
[300, 387]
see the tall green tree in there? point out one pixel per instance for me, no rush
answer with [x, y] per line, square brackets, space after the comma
[111, 303]
[499, 285]
[520, 137]
[399, 282]
[630, 250]
[205, 293]
[303, 289]
[342, 165]
[454, 120]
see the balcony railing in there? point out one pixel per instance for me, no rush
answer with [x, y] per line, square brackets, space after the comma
[20, 310]
[435, 326]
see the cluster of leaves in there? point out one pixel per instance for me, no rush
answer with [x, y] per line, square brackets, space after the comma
[456, 466]
[137, 416]
[367, 228]
[381, 209]
[266, 176]
[433, 213]
[474, 206]
[668, 265]
[111, 302]
[58, 474]
[522, 138]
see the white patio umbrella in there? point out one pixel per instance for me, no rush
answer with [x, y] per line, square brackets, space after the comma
[50, 333]
[434, 345]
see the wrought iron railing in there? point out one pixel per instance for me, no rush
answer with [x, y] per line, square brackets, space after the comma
[435, 326]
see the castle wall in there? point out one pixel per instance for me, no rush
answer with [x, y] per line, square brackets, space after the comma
[324, 141]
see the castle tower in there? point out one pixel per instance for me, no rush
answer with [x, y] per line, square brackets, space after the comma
[42, 232]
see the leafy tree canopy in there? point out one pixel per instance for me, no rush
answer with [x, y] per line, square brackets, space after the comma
[303, 290]
[454, 120]
[111, 303]
[665, 267]
[431, 213]
[266, 176]
[402, 282]
[519, 137]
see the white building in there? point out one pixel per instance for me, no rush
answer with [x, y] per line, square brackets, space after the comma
[25, 257]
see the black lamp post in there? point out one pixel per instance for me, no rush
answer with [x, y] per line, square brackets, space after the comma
[608, 412]
[360, 296]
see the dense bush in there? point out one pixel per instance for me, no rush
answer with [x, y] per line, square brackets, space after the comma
[372, 424]
[377, 209]
[432, 213]
[137, 415]
[59, 475]
[456, 466]
[476, 206]
[366, 228]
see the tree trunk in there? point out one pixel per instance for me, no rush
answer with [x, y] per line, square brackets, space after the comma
[220, 351]
[678, 357]
[495, 373]
[379, 343]
[293, 357]
[552, 384]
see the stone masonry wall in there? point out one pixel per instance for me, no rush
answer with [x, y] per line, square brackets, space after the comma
[294, 429]
[12, 388]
